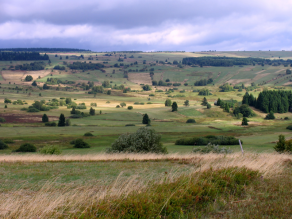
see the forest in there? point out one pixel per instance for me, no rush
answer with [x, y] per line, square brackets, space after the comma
[231, 61]
[270, 101]
[22, 56]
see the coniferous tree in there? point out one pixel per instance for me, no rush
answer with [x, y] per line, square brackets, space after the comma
[204, 102]
[244, 121]
[145, 119]
[174, 107]
[92, 111]
[62, 120]
[226, 108]
[280, 146]
[218, 102]
[45, 118]
[245, 99]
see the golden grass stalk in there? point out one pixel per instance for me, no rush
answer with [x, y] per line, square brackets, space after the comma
[52, 201]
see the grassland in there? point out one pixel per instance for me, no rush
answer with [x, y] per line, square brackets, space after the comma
[48, 185]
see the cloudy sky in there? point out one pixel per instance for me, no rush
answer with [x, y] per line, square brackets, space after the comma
[147, 25]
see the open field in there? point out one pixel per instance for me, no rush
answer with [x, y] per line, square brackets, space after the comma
[48, 185]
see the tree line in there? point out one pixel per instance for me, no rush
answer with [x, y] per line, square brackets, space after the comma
[203, 82]
[44, 50]
[35, 66]
[270, 101]
[231, 61]
[85, 66]
[22, 56]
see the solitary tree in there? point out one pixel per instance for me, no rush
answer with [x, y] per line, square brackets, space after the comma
[92, 111]
[244, 121]
[174, 107]
[34, 83]
[45, 118]
[204, 102]
[145, 119]
[123, 104]
[280, 146]
[168, 102]
[62, 120]
[187, 103]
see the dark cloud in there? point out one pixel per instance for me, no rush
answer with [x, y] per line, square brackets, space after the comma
[146, 25]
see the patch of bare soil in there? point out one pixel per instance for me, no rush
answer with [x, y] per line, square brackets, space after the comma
[24, 118]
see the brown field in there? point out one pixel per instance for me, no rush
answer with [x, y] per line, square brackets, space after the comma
[19, 76]
[140, 78]
[24, 118]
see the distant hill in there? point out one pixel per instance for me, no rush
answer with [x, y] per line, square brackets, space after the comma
[43, 50]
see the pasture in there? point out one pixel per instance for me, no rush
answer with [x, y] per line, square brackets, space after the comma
[112, 176]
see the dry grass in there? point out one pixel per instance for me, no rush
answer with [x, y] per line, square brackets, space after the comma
[50, 202]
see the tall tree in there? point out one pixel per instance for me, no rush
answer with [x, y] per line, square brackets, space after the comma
[62, 120]
[92, 111]
[174, 107]
[204, 102]
[145, 119]
[45, 118]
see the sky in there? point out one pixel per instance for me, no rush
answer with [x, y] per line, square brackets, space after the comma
[147, 25]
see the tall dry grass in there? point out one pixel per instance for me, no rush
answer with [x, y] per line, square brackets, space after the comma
[50, 202]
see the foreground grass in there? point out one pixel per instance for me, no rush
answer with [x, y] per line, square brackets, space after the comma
[145, 185]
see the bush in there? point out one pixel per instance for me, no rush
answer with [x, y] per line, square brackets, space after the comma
[220, 140]
[2, 119]
[212, 149]
[286, 118]
[289, 127]
[145, 140]
[88, 134]
[79, 143]
[50, 124]
[270, 116]
[3, 145]
[130, 107]
[26, 147]
[191, 121]
[130, 125]
[8, 141]
[32, 110]
[50, 149]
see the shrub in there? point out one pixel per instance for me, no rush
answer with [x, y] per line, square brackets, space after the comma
[24, 109]
[220, 140]
[26, 147]
[130, 125]
[88, 134]
[117, 106]
[191, 121]
[130, 107]
[3, 145]
[51, 149]
[32, 110]
[151, 95]
[270, 116]
[145, 140]
[76, 116]
[8, 141]
[209, 106]
[286, 118]
[79, 143]
[2, 119]
[210, 148]
[50, 124]
[289, 127]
